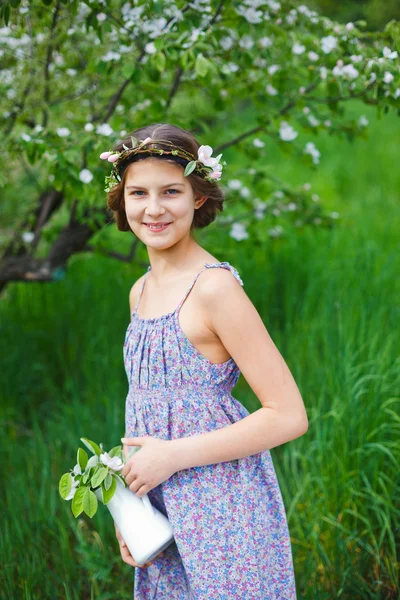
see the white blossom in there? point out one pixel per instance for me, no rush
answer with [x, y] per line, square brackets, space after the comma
[101, 17]
[310, 148]
[274, 6]
[234, 184]
[265, 42]
[349, 26]
[250, 14]
[313, 121]
[260, 62]
[304, 10]
[63, 131]
[258, 143]
[259, 209]
[286, 132]
[388, 77]
[71, 72]
[238, 232]
[28, 236]
[246, 42]
[356, 58]
[85, 176]
[334, 215]
[363, 121]
[313, 56]
[328, 43]
[292, 206]
[273, 69]
[396, 93]
[315, 198]
[93, 461]
[26, 137]
[275, 231]
[306, 110]
[111, 56]
[226, 42]
[104, 129]
[323, 71]
[327, 123]
[307, 186]
[291, 17]
[271, 90]
[346, 71]
[387, 53]
[114, 462]
[150, 48]
[298, 48]
[89, 127]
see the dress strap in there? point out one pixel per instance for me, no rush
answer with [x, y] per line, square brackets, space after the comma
[224, 265]
[141, 290]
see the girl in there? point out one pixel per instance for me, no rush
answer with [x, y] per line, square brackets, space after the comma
[205, 462]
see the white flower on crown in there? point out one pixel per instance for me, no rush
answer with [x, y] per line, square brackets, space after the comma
[204, 154]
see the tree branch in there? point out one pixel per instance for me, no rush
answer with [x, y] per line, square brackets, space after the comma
[122, 257]
[72, 239]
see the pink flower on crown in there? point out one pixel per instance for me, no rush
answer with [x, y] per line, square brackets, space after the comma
[112, 158]
[204, 153]
[146, 141]
[105, 155]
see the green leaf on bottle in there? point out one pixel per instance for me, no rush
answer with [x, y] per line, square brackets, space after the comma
[89, 503]
[116, 451]
[65, 484]
[99, 475]
[93, 447]
[109, 493]
[77, 501]
[107, 482]
[82, 459]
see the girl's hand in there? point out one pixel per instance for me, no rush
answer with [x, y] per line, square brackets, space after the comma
[126, 555]
[153, 464]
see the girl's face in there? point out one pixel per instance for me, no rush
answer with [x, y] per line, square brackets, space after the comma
[157, 192]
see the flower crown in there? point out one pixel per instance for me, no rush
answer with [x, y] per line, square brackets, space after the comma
[205, 165]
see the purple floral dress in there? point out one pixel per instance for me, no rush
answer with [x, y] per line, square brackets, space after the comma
[231, 539]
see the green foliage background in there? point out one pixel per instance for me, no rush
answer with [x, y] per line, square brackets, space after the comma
[329, 299]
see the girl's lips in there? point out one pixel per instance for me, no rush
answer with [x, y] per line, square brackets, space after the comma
[158, 229]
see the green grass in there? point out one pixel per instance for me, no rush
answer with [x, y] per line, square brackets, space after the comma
[329, 299]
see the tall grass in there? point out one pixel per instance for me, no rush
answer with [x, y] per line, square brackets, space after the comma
[330, 302]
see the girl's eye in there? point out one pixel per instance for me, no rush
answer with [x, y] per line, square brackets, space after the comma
[141, 191]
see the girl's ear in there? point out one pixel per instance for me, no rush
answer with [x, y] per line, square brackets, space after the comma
[200, 201]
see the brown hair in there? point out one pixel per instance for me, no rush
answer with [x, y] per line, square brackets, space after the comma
[207, 212]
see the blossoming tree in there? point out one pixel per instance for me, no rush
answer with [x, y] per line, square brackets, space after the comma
[75, 75]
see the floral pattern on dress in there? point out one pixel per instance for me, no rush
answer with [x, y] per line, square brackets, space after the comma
[229, 521]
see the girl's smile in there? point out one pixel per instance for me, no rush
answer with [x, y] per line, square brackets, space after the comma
[157, 195]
